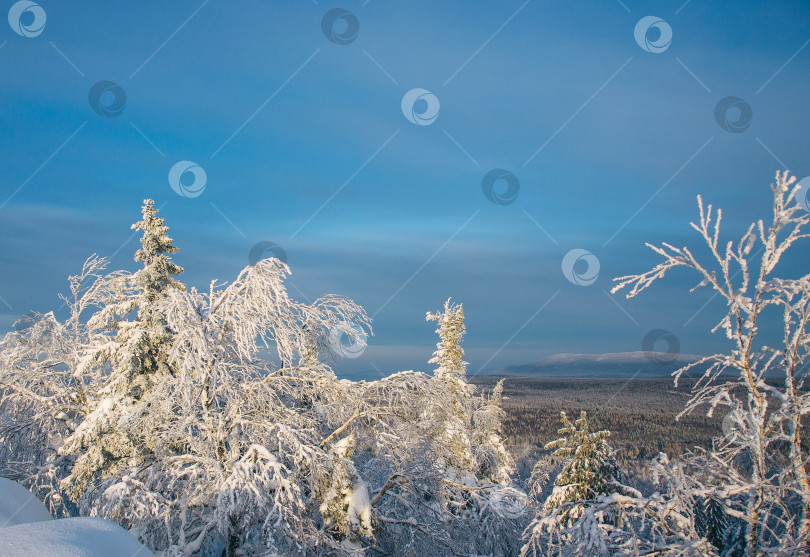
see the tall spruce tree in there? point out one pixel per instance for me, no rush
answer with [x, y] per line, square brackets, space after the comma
[136, 354]
[454, 419]
[469, 428]
[142, 338]
[449, 355]
[148, 333]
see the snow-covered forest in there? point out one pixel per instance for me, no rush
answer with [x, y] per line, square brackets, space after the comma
[211, 423]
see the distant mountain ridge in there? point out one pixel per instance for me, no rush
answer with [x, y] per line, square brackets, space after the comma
[609, 365]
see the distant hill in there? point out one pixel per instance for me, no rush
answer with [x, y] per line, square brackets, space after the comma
[615, 365]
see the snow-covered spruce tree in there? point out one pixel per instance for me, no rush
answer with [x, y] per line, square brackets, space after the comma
[469, 427]
[620, 523]
[711, 521]
[453, 418]
[425, 499]
[462, 467]
[139, 354]
[130, 338]
[449, 355]
[149, 337]
[589, 469]
[759, 468]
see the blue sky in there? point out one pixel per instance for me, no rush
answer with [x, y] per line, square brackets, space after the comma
[304, 143]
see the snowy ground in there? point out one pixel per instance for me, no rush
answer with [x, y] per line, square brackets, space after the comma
[27, 530]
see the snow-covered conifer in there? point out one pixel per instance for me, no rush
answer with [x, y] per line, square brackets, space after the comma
[617, 523]
[711, 521]
[453, 415]
[140, 351]
[130, 334]
[492, 459]
[589, 468]
[449, 355]
[153, 281]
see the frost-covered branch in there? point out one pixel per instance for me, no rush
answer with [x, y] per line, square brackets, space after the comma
[759, 466]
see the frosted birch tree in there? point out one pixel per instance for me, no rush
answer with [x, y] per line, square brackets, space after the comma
[235, 441]
[758, 469]
[151, 406]
[43, 394]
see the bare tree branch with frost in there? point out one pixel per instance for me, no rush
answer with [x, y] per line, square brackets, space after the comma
[758, 470]
[43, 394]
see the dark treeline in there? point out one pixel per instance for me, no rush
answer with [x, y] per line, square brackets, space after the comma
[639, 413]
